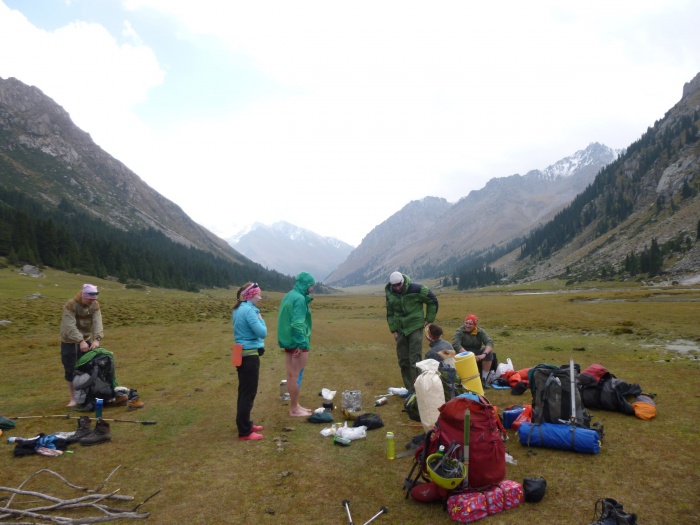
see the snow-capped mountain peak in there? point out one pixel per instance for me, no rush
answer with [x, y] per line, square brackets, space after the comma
[595, 154]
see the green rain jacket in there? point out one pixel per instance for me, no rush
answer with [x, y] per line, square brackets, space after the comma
[294, 320]
[404, 310]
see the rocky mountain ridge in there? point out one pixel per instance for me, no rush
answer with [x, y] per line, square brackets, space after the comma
[428, 237]
[657, 177]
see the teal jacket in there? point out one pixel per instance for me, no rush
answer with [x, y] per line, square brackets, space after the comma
[249, 328]
[404, 310]
[294, 320]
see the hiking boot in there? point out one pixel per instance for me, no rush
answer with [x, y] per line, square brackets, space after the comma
[253, 436]
[622, 518]
[133, 394]
[83, 429]
[118, 401]
[134, 404]
[485, 385]
[608, 510]
[99, 435]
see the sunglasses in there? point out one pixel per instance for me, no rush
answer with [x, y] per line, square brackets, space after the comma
[92, 294]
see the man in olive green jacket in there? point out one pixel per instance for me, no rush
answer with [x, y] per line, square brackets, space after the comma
[409, 308]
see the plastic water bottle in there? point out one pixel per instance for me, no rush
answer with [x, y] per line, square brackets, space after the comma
[98, 407]
[284, 393]
[401, 392]
[390, 446]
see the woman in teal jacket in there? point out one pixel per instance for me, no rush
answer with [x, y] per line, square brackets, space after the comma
[294, 336]
[249, 331]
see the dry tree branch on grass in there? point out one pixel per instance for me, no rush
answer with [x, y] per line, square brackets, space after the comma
[91, 501]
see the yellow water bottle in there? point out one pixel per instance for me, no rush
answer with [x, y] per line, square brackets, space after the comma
[390, 446]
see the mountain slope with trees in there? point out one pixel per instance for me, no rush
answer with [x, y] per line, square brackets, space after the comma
[639, 218]
[66, 203]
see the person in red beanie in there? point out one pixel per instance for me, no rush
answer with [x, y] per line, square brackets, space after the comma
[470, 338]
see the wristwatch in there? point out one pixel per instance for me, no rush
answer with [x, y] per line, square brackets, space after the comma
[98, 339]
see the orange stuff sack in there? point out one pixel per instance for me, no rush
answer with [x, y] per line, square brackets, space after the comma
[523, 374]
[644, 407]
[525, 416]
[512, 377]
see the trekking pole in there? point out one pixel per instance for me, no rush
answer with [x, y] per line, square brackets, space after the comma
[346, 504]
[383, 510]
[467, 426]
[68, 416]
[573, 391]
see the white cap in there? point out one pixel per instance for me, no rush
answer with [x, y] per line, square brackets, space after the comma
[396, 278]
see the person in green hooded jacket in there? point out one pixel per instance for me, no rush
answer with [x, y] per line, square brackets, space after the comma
[410, 307]
[294, 336]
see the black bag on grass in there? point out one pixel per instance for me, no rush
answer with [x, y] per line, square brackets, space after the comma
[371, 421]
[601, 389]
[534, 489]
[551, 396]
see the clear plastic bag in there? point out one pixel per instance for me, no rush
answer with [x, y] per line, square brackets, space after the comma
[352, 433]
[352, 400]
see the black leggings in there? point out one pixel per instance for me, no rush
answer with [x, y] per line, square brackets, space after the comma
[248, 374]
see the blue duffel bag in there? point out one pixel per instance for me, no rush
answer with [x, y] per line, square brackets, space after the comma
[560, 437]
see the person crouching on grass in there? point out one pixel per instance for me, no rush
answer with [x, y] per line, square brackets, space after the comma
[81, 331]
[249, 331]
[294, 336]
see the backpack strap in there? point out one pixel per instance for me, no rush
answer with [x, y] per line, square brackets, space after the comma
[531, 452]
[538, 414]
[420, 463]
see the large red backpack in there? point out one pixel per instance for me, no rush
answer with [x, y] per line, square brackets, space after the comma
[487, 451]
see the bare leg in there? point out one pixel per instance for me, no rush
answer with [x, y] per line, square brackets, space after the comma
[71, 390]
[294, 365]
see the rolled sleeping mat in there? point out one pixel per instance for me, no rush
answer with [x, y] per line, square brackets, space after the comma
[559, 437]
[468, 372]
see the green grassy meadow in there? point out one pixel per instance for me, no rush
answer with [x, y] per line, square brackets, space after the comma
[174, 348]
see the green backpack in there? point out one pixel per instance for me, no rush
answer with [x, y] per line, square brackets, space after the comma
[8, 424]
[410, 406]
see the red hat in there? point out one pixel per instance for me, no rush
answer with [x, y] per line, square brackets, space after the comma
[471, 317]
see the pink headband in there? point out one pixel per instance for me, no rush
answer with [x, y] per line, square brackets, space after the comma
[89, 291]
[250, 292]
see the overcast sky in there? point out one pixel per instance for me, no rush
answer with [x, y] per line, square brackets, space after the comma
[334, 115]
